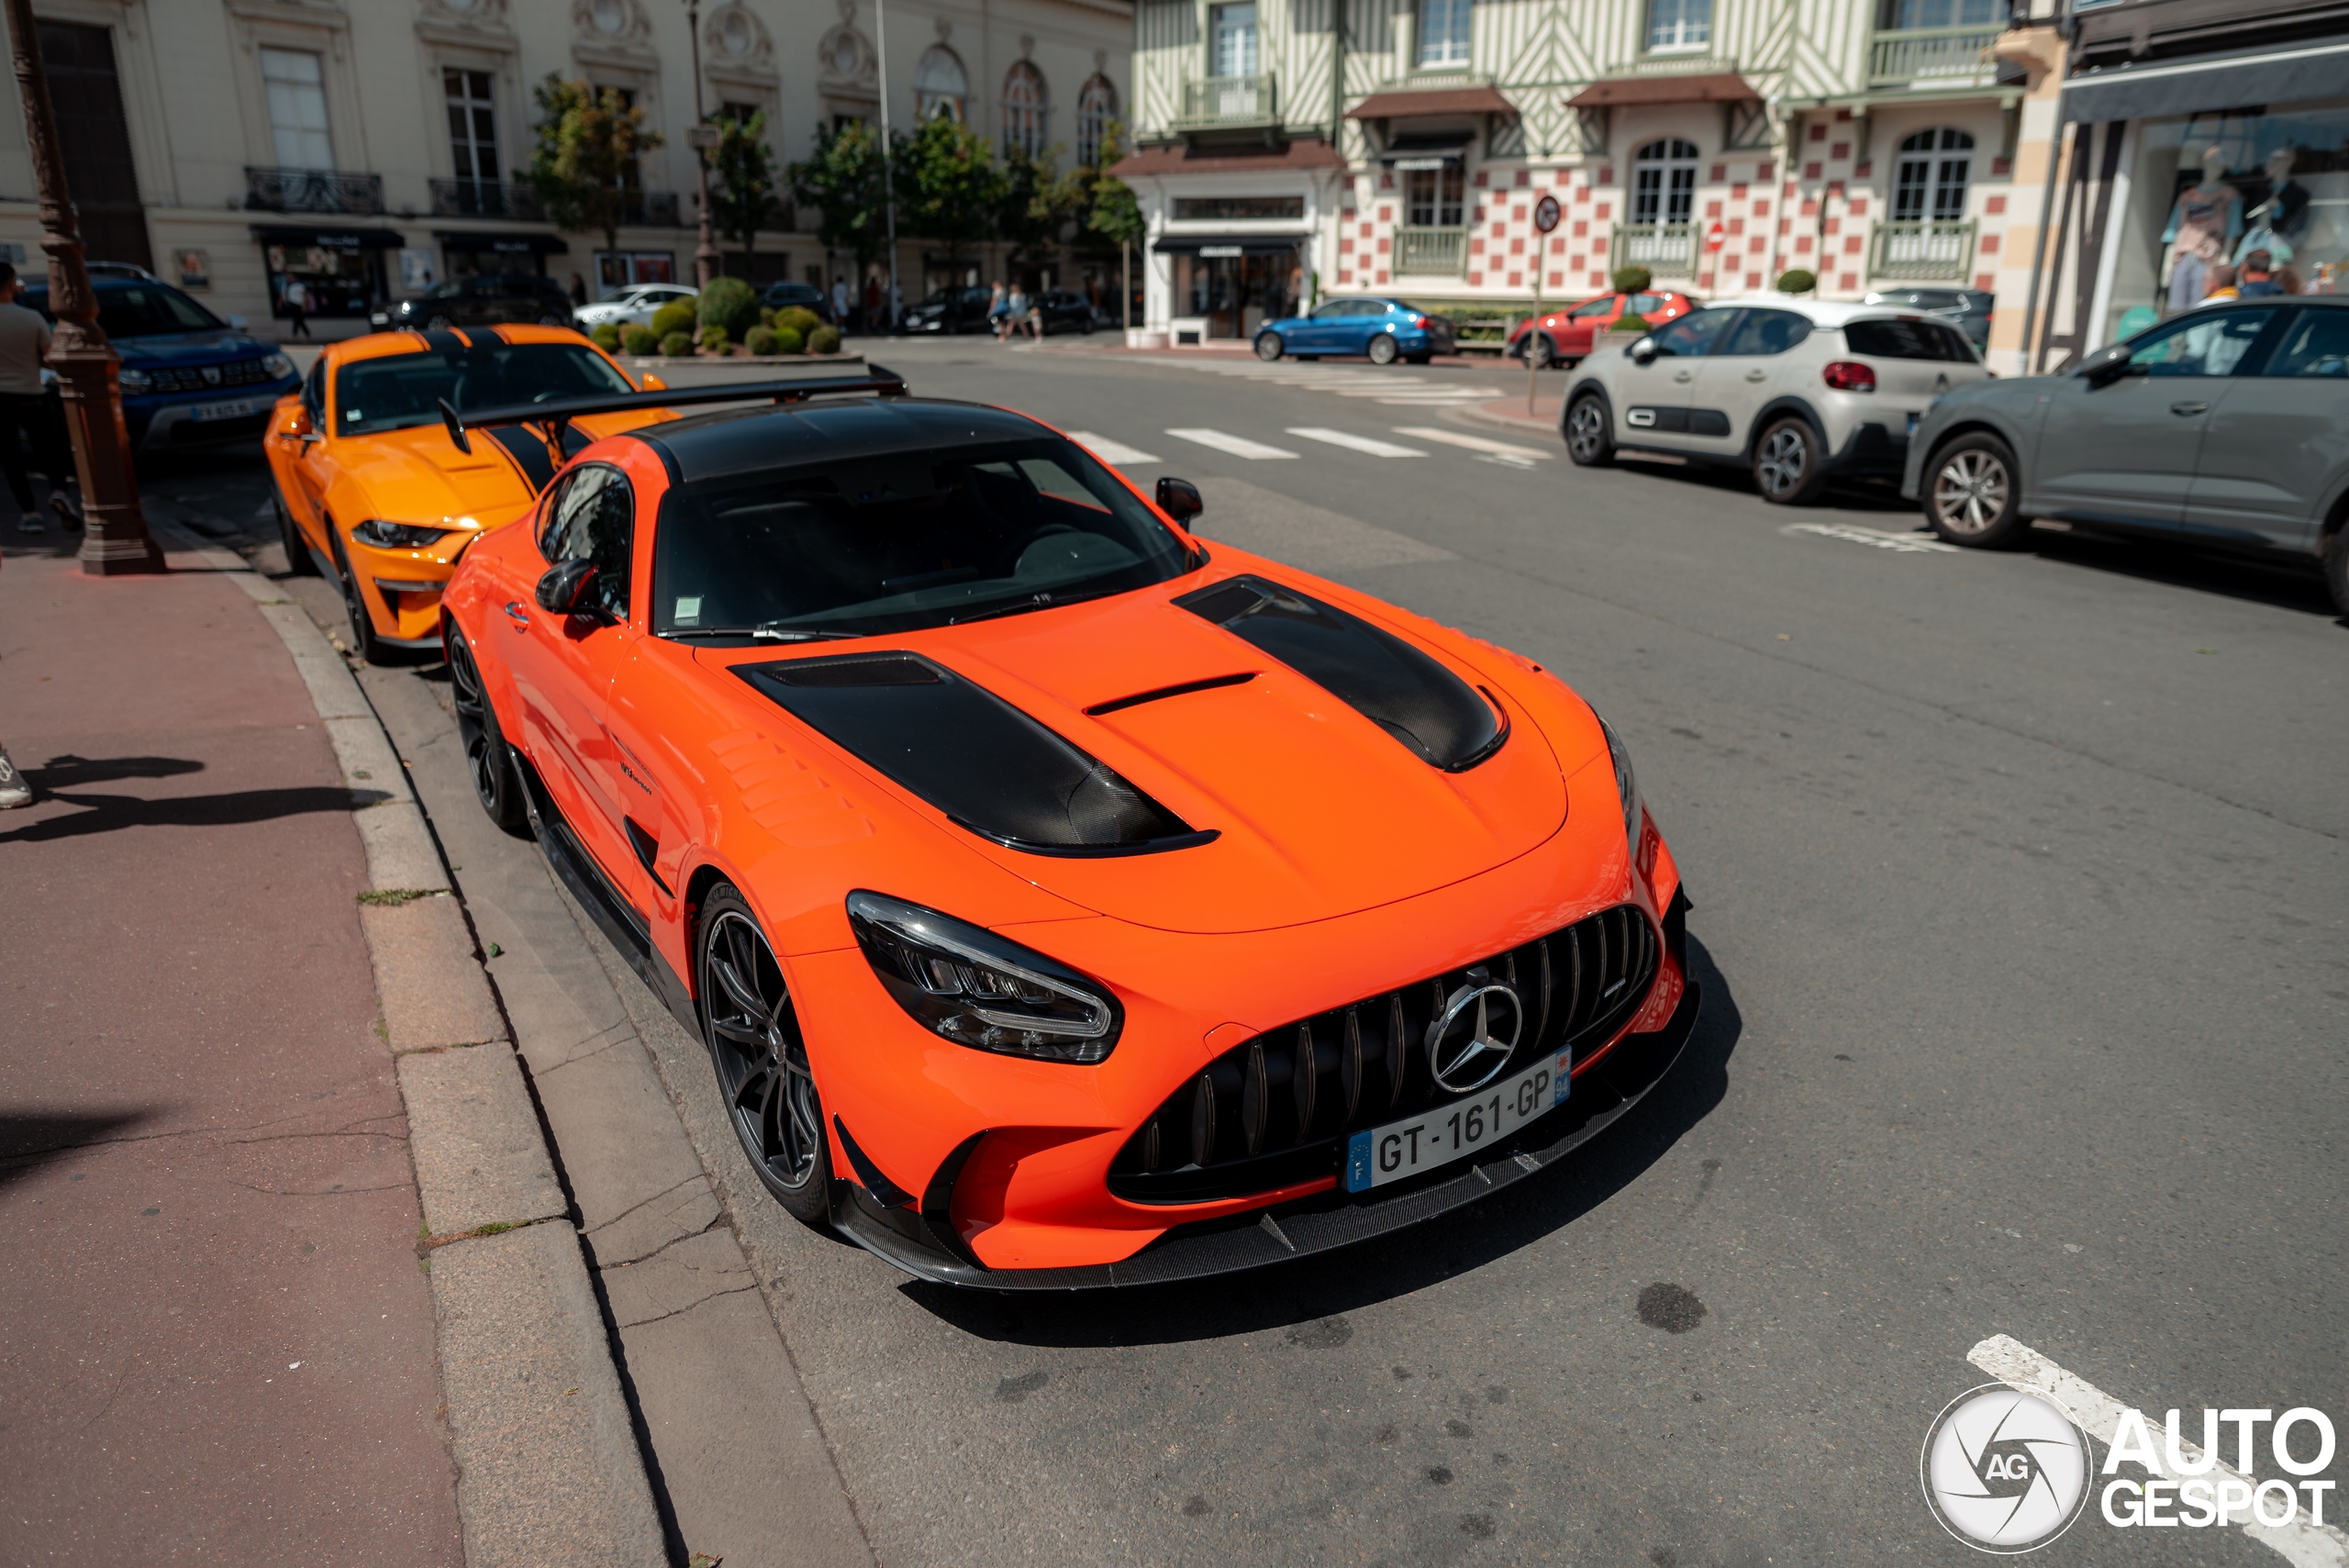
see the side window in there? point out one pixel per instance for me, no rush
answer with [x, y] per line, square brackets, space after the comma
[595, 519]
[314, 394]
[1330, 310]
[2317, 344]
[1905, 338]
[1646, 304]
[1694, 334]
[2212, 345]
[1762, 332]
[1597, 309]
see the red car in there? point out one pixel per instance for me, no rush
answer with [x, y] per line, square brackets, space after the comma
[1568, 333]
[1062, 899]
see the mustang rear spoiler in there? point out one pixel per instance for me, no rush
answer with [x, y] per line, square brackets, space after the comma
[555, 416]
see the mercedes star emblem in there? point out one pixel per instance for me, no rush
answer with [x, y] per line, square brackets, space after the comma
[1471, 1039]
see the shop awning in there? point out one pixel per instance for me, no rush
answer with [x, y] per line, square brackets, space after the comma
[1227, 244]
[504, 244]
[332, 239]
[1439, 101]
[2210, 81]
[1176, 158]
[1712, 87]
[1435, 150]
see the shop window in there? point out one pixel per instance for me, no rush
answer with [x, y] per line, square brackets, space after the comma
[1680, 25]
[1433, 197]
[1931, 179]
[1233, 34]
[472, 125]
[1024, 110]
[1097, 105]
[1444, 26]
[1664, 182]
[295, 83]
[617, 272]
[940, 86]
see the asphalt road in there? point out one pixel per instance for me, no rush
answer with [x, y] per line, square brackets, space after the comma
[2019, 911]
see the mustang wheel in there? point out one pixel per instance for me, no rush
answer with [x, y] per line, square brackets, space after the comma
[753, 1037]
[1970, 494]
[364, 639]
[299, 562]
[1786, 464]
[1268, 346]
[1383, 349]
[495, 784]
[1588, 442]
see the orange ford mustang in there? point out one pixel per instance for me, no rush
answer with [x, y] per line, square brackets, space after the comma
[1064, 899]
[370, 493]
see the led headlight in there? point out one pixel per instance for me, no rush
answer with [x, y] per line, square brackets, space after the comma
[1626, 785]
[974, 988]
[394, 536]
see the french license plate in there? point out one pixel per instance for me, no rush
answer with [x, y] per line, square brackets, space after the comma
[236, 410]
[1912, 424]
[1383, 1154]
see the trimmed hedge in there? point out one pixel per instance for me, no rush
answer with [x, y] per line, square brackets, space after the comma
[1797, 280]
[728, 303]
[760, 340]
[713, 338]
[607, 337]
[824, 340]
[799, 317]
[1633, 280]
[676, 345]
[639, 339]
[1629, 321]
[675, 316]
[788, 340]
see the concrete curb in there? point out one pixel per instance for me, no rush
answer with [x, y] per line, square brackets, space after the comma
[549, 1468]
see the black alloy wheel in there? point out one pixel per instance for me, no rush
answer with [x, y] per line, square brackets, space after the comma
[497, 782]
[1787, 467]
[1384, 350]
[1588, 440]
[364, 639]
[1268, 346]
[752, 1032]
[299, 562]
[1971, 496]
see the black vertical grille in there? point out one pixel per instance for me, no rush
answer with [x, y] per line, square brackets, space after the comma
[1278, 1109]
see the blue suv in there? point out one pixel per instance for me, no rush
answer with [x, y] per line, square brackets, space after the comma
[188, 377]
[1385, 329]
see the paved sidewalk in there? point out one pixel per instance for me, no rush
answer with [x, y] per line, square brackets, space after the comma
[216, 1342]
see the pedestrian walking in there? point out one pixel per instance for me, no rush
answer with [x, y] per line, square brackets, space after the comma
[998, 311]
[872, 303]
[29, 418]
[14, 790]
[1015, 314]
[578, 289]
[839, 302]
[297, 309]
[1034, 319]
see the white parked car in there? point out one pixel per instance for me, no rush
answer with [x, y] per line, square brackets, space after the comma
[1798, 391]
[632, 305]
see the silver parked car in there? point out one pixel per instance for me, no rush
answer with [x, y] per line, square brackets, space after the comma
[632, 305]
[2227, 426]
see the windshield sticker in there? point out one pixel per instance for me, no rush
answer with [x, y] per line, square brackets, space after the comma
[688, 611]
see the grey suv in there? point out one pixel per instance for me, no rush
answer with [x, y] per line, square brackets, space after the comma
[2227, 426]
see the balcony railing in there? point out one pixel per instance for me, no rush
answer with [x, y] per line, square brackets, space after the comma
[487, 198]
[312, 190]
[1921, 250]
[1931, 58]
[1426, 252]
[1666, 249]
[1230, 102]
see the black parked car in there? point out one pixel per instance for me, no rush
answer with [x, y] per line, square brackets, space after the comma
[482, 300]
[952, 310]
[806, 296]
[1065, 311]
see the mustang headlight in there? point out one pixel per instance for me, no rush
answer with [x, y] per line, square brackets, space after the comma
[394, 536]
[1626, 785]
[974, 988]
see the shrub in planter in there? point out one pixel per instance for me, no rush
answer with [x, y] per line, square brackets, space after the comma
[731, 304]
[761, 341]
[676, 345]
[1797, 280]
[824, 340]
[1630, 321]
[766, 316]
[676, 317]
[1633, 280]
[607, 337]
[799, 318]
[713, 339]
[787, 341]
[639, 339]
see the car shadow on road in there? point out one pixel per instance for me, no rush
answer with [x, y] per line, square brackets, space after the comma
[32, 1139]
[1309, 1297]
[2281, 585]
[1849, 496]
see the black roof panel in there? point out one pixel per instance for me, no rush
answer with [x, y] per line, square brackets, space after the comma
[743, 441]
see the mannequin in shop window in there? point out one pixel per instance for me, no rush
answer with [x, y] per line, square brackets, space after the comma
[2276, 221]
[2203, 226]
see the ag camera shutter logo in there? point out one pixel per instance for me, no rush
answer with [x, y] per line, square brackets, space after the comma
[2005, 1472]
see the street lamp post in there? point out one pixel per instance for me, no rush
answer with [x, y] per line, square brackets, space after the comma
[888, 194]
[115, 541]
[701, 139]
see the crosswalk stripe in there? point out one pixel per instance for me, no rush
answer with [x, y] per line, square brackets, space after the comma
[1473, 443]
[1238, 446]
[1109, 450]
[1353, 443]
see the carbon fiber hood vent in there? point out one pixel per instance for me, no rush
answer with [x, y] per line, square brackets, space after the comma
[990, 768]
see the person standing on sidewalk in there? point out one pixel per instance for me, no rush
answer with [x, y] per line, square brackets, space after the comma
[26, 416]
[14, 790]
[297, 309]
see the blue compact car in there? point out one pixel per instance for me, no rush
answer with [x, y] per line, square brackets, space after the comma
[1385, 329]
[188, 377]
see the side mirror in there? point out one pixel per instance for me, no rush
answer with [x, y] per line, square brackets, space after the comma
[654, 384]
[563, 590]
[2106, 366]
[1642, 352]
[295, 424]
[1179, 499]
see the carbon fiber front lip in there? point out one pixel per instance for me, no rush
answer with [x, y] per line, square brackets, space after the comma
[1323, 1223]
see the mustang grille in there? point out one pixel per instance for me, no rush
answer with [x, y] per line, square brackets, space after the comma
[1278, 1109]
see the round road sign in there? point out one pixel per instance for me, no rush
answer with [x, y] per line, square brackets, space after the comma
[1545, 214]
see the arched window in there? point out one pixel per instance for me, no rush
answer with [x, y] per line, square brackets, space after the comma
[1930, 185]
[1024, 109]
[941, 87]
[1664, 181]
[1097, 105]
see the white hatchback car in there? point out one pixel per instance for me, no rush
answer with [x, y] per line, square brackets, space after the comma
[1799, 391]
[633, 306]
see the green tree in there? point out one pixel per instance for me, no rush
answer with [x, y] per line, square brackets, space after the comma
[842, 183]
[949, 186]
[742, 180]
[583, 162]
[1038, 204]
[1114, 213]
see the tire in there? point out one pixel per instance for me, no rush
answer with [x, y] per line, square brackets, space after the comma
[1419, 359]
[2336, 568]
[1589, 441]
[1268, 347]
[1970, 494]
[299, 562]
[497, 784]
[1383, 349]
[364, 639]
[1544, 352]
[752, 1033]
[1789, 467]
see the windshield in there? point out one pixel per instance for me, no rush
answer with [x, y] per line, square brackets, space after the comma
[901, 543]
[139, 310]
[401, 390]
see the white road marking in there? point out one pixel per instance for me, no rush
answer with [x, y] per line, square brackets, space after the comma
[1908, 544]
[1238, 446]
[2300, 1543]
[1109, 450]
[1473, 443]
[1357, 443]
